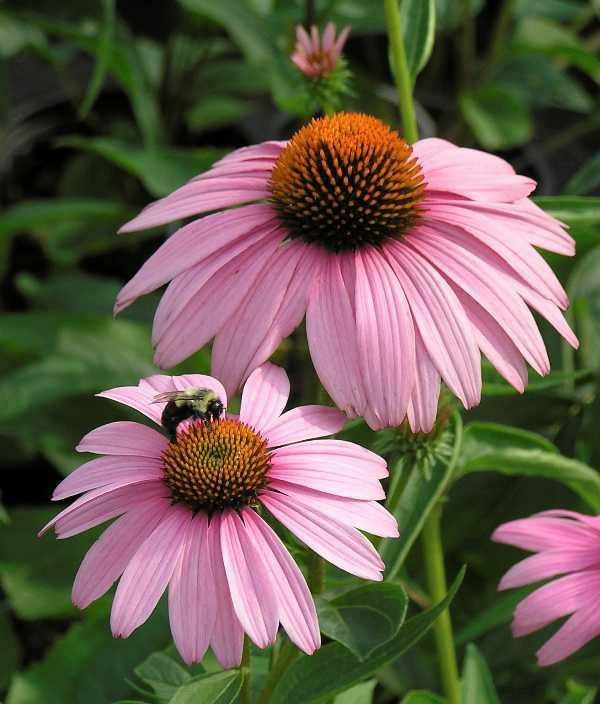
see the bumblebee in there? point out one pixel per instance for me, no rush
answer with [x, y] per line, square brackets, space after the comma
[189, 403]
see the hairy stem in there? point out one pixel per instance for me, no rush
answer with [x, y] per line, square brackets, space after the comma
[442, 628]
[400, 70]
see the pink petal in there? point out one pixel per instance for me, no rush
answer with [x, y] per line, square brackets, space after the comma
[228, 635]
[249, 581]
[190, 324]
[264, 396]
[124, 438]
[331, 332]
[444, 328]
[101, 505]
[303, 423]
[365, 515]
[340, 451]
[474, 276]
[296, 608]
[273, 309]
[328, 37]
[546, 532]
[385, 337]
[342, 546]
[303, 39]
[341, 40]
[549, 564]
[190, 245]
[576, 632]
[469, 172]
[108, 557]
[108, 470]
[316, 40]
[422, 409]
[559, 598]
[192, 600]
[495, 344]
[148, 573]
[269, 151]
[591, 521]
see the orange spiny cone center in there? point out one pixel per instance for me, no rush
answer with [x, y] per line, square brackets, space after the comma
[216, 465]
[346, 181]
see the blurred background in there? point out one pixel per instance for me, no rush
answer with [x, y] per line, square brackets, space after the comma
[107, 105]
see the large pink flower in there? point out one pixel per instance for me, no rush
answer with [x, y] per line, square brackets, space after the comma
[190, 515]
[566, 543]
[407, 261]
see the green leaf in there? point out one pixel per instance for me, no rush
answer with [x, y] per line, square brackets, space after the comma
[105, 41]
[477, 684]
[422, 697]
[162, 674]
[241, 21]
[364, 618]
[359, 694]
[161, 170]
[572, 210]
[87, 665]
[495, 385]
[498, 117]
[498, 614]
[333, 668]
[418, 22]
[216, 112]
[516, 452]
[418, 498]
[10, 653]
[587, 177]
[218, 688]
[579, 694]
[37, 573]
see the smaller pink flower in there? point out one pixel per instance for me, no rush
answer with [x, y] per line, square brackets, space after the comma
[317, 57]
[191, 514]
[566, 543]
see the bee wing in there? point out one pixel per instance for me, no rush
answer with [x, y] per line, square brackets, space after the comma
[168, 396]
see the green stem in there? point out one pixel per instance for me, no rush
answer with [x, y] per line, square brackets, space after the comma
[245, 695]
[316, 574]
[401, 73]
[442, 628]
[286, 655]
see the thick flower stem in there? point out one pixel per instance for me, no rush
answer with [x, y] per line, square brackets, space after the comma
[442, 628]
[245, 692]
[401, 72]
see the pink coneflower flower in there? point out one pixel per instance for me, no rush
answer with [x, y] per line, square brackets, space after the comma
[317, 57]
[407, 261]
[567, 543]
[190, 515]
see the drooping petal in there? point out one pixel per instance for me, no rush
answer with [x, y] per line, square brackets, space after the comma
[444, 328]
[190, 324]
[554, 600]
[573, 635]
[249, 581]
[272, 310]
[385, 337]
[148, 573]
[101, 505]
[341, 545]
[337, 451]
[369, 516]
[107, 470]
[549, 563]
[423, 405]
[192, 599]
[303, 423]
[469, 172]
[108, 557]
[264, 396]
[541, 532]
[192, 244]
[124, 437]
[296, 608]
[227, 638]
[331, 333]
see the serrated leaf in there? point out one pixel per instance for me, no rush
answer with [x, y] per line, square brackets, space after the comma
[364, 618]
[309, 679]
[418, 498]
[477, 684]
[162, 674]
